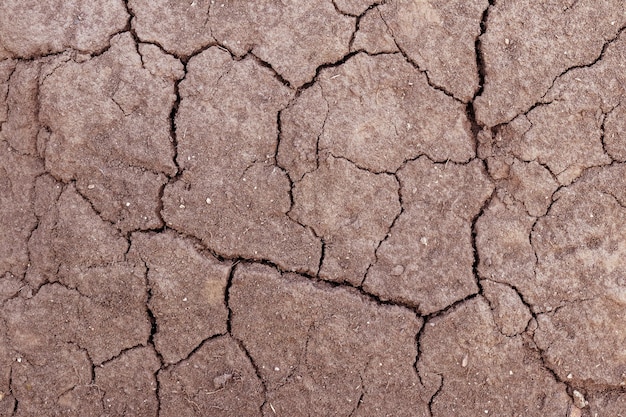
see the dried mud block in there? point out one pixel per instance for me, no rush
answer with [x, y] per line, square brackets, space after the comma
[427, 259]
[180, 27]
[509, 312]
[325, 351]
[294, 37]
[60, 333]
[351, 210]
[483, 372]
[21, 126]
[301, 125]
[17, 220]
[528, 44]
[355, 7]
[582, 342]
[159, 63]
[218, 379]
[532, 184]
[187, 292]
[382, 112]
[110, 131]
[128, 385]
[32, 28]
[231, 194]
[439, 36]
[504, 247]
[373, 36]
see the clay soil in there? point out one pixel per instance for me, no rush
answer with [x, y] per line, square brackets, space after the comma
[313, 208]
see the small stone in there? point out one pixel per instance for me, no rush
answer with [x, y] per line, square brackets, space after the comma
[579, 400]
[397, 270]
[208, 200]
[91, 186]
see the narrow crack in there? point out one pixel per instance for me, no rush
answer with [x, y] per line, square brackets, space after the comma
[154, 328]
[414, 64]
[431, 401]
[389, 230]
[474, 234]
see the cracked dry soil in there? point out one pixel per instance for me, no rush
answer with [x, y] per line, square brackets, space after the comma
[320, 208]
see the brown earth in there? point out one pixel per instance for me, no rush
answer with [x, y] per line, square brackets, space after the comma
[322, 208]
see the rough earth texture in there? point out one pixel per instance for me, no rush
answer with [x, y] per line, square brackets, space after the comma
[328, 208]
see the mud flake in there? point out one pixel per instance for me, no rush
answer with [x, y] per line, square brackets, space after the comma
[382, 112]
[238, 102]
[352, 210]
[531, 184]
[439, 37]
[438, 206]
[374, 36]
[509, 312]
[187, 292]
[188, 387]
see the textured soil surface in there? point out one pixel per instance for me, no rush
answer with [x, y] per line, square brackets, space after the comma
[312, 208]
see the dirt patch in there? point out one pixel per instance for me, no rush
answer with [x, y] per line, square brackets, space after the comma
[341, 208]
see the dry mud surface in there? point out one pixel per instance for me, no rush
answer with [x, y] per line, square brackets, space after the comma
[312, 208]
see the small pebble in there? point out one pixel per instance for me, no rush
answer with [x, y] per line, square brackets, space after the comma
[579, 400]
[397, 270]
[91, 186]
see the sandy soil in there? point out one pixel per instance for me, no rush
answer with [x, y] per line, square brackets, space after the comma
[312, 208]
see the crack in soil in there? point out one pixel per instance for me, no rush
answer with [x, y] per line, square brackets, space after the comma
[588, 387]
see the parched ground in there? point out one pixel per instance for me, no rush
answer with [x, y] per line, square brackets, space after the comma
[313, 208]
